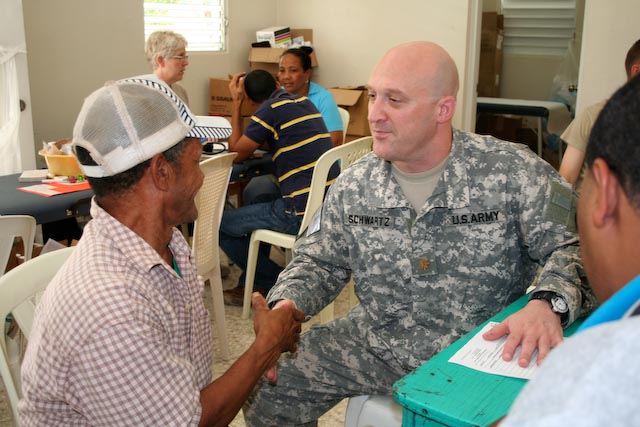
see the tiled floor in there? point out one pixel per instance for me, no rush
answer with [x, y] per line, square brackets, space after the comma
[240, 335]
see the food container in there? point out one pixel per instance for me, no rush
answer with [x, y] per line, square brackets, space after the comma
[61, 164]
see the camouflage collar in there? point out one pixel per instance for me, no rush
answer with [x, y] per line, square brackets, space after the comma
[451, 192]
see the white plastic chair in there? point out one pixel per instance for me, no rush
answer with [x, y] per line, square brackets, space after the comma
[345, 116]
[12, 226]
[204, 243]
[346, 154]
[19, 293]
[373, 411]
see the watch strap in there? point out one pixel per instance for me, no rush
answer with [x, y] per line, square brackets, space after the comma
[548, 296]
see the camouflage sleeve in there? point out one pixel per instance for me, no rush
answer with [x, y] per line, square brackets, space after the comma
[320, 267]
[551, 238]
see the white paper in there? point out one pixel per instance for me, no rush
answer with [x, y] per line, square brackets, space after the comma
[42, 189]
[34, 175]
[486, 356]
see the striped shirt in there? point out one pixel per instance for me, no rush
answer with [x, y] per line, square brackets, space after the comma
[118, 338]
[297, 136]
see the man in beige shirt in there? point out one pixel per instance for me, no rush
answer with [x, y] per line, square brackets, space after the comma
[577, 134]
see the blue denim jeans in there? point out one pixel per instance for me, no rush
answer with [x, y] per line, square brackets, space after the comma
[235, 231]
[253, 167]
[261, 189]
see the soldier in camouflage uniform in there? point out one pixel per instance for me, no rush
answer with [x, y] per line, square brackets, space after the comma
[428, 266]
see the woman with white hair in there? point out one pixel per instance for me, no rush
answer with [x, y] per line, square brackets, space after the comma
[167, 54]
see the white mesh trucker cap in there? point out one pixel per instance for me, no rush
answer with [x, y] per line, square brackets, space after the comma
[129, 121]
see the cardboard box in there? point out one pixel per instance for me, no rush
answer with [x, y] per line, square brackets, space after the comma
[302, 34]
[268, 58]
[265, 58]
[276, 36]
[220, 101]
[491, 51]
[356, 101]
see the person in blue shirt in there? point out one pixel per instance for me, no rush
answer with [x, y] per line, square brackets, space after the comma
[592, 378]
[294, 74]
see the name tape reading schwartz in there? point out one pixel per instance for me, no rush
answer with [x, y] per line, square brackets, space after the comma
[370, 220]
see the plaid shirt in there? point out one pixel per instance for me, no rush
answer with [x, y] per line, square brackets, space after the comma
[119, 339]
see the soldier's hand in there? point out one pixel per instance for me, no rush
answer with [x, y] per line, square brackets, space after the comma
[533, 327]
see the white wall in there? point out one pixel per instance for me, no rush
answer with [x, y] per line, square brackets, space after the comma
[528, 76]
[610, 28]
[351, 36]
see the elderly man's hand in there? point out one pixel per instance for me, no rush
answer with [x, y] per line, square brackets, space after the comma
[535, 326]
[277, 331]
[236, 87]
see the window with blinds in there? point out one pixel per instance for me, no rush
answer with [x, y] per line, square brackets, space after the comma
[201, 22]
[538, 27]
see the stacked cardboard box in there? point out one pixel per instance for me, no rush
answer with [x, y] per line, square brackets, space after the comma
[268, 58]
[491, 48]
[356, 102]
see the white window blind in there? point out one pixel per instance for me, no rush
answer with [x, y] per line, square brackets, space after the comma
[201, 22]
[538, 27]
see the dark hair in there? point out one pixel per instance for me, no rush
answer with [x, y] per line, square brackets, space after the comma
[615, 138]
[124, 180]
[303, 53]
[633, 57]
[259, 85]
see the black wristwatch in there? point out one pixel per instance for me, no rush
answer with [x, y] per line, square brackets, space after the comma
[557, 303]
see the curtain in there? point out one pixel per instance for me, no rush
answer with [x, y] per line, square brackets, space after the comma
[10, 161]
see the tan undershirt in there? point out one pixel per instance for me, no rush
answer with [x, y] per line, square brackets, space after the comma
[418, 187]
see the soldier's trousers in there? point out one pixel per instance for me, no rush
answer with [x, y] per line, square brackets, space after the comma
[334, 361]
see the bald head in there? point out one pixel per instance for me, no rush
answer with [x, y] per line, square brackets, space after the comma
[423, 64]
[412, 101]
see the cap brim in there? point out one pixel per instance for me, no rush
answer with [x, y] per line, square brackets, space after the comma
[209, 127]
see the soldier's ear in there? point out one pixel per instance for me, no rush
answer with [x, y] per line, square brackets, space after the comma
[445, 109]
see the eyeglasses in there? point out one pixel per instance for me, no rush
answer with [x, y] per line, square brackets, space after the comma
[180, 57]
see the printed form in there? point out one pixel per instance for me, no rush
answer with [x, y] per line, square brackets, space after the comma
[486, 356]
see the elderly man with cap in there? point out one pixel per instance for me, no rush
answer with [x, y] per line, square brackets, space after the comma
[121, 336]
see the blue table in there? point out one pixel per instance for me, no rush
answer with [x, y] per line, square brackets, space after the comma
[440, 393]
[43, 209]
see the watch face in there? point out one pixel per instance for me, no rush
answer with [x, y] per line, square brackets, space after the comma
[559, 305]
